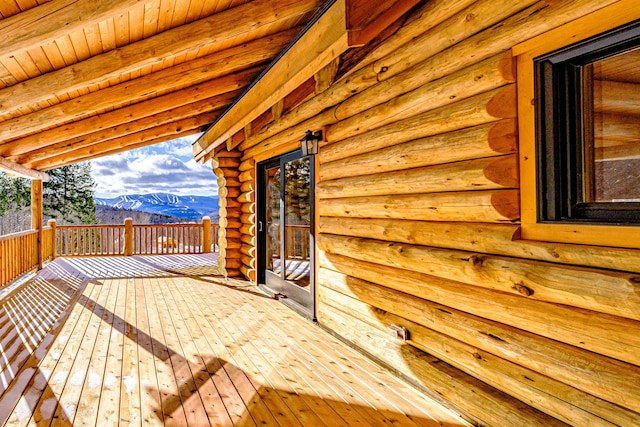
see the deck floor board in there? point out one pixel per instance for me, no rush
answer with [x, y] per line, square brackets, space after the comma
[162, 340]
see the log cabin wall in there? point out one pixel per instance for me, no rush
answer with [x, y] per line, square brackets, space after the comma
[247, 201]
[226, 166]
[419, 210]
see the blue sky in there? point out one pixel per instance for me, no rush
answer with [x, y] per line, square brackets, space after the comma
[163, 168]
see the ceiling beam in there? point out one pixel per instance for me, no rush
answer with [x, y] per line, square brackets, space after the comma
[186, 74]
[135, 140]
[10, 149]
[46, 23]
[325, 40]
[215, 91]
[15, 169]
[200, 106]
[240, 20]
[145, 143]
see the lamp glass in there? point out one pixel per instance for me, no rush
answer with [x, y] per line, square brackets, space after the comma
[309, 143]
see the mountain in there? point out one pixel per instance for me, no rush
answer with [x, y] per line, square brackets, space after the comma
[192, 208]
[110, 215]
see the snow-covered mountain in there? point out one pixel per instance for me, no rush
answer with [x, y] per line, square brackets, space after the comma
[192, 208]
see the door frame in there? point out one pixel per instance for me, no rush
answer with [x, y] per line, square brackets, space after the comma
[309, 309]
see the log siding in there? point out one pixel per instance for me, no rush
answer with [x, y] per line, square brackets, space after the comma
[418, 198]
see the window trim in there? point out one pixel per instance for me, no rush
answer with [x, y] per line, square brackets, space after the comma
[596, 23]
[561, 147]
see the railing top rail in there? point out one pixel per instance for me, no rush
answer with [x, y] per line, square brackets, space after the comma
[181, 224]
[91, 226]
[178, 224]
[18, 234]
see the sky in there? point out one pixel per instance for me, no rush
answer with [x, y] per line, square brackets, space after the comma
[168, 167]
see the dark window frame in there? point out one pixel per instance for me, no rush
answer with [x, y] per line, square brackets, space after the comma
[560, 131]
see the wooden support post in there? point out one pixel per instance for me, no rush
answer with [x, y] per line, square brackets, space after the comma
[54, 247]
[128, 236]
[206, 235]
[36, 216]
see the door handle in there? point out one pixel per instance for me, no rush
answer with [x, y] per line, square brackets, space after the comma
[260, 226]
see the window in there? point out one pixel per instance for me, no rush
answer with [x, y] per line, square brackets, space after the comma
[588, 130]
[579, 130]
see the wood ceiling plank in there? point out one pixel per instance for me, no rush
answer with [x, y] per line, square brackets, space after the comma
[27, 64]
[53, 54]
[136, 24]
[166, 15]
[157, 67]
[222, 5]
[80, 45]
[39, 107]
[107, 34]
[190, 56]
[151, 15]
[161, 118]
[66, 50]
[180, 13]
[226, 25]
[209, 7]
[202, 69]
[15, 69]
[9, 8]
[121, 27]
[6, 77]
[27, 4]
[55, 19]
[40, 59]
[92, 34]
[195, 10]
[135, 140]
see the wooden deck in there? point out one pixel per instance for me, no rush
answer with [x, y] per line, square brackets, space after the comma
[162, 341]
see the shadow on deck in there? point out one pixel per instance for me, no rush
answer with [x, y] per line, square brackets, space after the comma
[162, 340]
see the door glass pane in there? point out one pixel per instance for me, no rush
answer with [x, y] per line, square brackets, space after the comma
[297, 178]
[273, 220]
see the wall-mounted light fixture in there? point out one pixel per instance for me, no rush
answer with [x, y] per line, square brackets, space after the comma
[309, 144]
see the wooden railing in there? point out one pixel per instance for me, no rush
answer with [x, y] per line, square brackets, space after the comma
[173, 239]
[19, 253]
[89, 240]
[139, 239]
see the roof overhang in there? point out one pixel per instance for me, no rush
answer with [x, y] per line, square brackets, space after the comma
[341, 25]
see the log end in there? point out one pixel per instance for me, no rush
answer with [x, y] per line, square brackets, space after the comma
[503, 171]
[503, 105]
[507, 204]
[503, 136]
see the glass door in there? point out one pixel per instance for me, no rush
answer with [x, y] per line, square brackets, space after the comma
[285, 228]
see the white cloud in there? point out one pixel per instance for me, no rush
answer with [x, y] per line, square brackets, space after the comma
[168, 167]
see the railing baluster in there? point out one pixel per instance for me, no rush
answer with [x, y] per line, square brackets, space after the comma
[146, 239]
